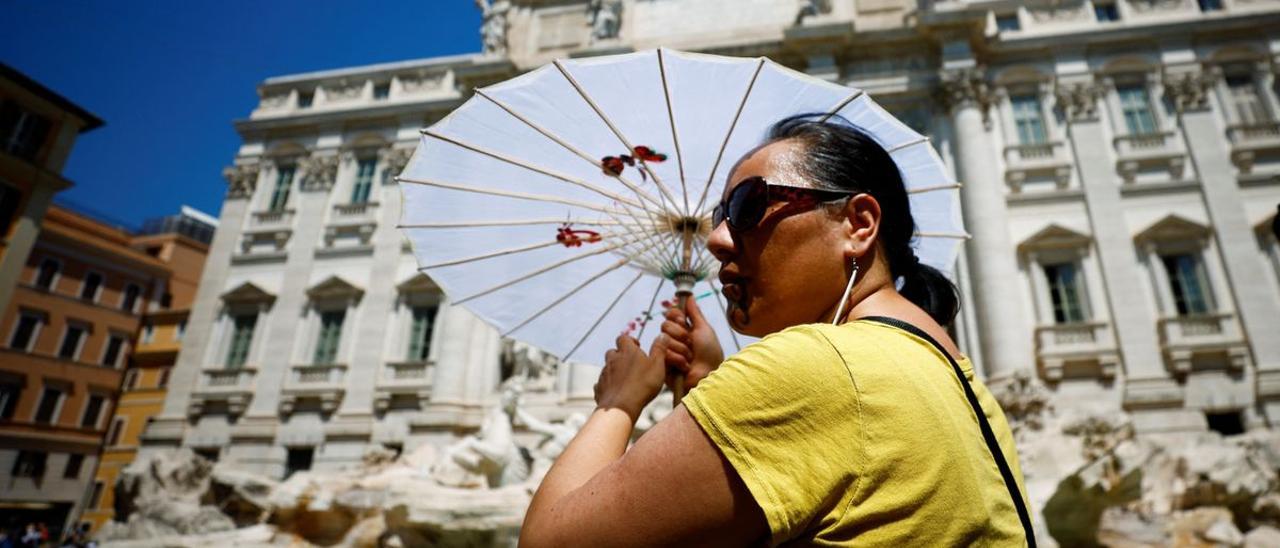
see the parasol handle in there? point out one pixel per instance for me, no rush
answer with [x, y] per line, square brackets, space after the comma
[684, 290]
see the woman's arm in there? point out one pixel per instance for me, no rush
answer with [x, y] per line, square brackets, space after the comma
[673, 486]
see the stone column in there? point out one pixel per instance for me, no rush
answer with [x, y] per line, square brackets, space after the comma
[1188, 87]
[1002, 329]
[1147, 382]
[168, 427]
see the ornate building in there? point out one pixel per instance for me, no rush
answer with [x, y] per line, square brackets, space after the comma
[1121, 170]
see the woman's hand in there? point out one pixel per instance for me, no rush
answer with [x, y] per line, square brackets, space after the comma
[691, 344]
[631, 378]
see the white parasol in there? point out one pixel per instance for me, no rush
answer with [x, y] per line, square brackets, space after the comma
[564, 205]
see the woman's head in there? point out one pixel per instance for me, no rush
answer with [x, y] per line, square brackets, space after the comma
[792, 266]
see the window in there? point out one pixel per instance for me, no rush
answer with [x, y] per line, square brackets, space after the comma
[130, 297]
[1135, 104]
[131, 379]
[47, 274]
[166, 300]
[72, 469]
[25, 332]
[148, 332]
[117, 428]
[9, 200]
[1106, 12]
[29, 464]
[22, 132]
[1188, 282]
[50, 404]
[89, 289]
[420, 333]
[163, 379]
[92, 412]
[284, 184]
[299, 460]
[241, 337]
[305, 98]
[9, 394]
[1210, 5]
[1228, 423]
[1029, 119]
[330, 336]
[1065, 292]
[71, 342]
[1244, 98]
[111, 355]
[381, 91]
[364, 180]
[1007, 22]
[96, 498]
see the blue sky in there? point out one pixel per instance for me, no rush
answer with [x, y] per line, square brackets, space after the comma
[168, 77]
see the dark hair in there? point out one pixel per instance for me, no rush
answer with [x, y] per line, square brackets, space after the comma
[838, 155]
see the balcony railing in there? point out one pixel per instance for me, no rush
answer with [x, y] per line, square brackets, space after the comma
[1143, 151]
[231, 387]
[1181, 337]
[222, 380]
[407, 378]
[354, 211]
[275, 218]
[1039, 161]
[1247, 140]
[306, 375]
[1076, 342]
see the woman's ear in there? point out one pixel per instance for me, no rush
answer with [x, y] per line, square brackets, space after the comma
[862, 213]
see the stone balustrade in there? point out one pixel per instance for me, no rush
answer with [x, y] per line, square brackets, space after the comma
[282, 218]
[1091, 344]
[1184, 337]
[229, 387]
[1248, 141]
[1143, 151]
[1048, 160]
[410, 379]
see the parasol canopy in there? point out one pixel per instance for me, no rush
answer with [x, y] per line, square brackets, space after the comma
[564, 205]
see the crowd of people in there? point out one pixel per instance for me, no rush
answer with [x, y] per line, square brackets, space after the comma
[36, 535]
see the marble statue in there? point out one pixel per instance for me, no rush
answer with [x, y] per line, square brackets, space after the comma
[535, 368]
[493, 28]
[489, 458]
[812, 8]
[606, 19]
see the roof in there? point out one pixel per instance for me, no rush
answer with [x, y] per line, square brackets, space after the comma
[91, 121]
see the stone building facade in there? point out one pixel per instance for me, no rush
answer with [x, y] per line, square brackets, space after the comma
[1121, 170]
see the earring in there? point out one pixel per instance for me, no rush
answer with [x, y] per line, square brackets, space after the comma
[847, 289]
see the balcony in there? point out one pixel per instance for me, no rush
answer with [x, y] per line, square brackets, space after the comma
[1074, 343]
[272, 219]
[1041, 161]
[325, 383]
[1147, 152]
[1249, 141]
[408, 378]
[355, 213]
[1182, 338]
[263, 244]
[233, 387]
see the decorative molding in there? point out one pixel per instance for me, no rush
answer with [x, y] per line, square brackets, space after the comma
[393, 161]
[1056, 11]
[1079, 101]
[422, 82]
[1189, 89]
[1144, 6]
[319, 171]
[343, 91]
[275, 101]
[241, 180]
[494, 25]
[967, 87]
[605, 18]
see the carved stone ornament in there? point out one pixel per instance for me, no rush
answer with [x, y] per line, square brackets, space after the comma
[343, 91]
[1189, 90]
[241, 180]
[319, 171]
[967, 88]
[1051, 11]
[493, 26]
[1143, 6]
[278, 100]
[606, 19]
[415, 83]
[1079, 101]
[393, 162]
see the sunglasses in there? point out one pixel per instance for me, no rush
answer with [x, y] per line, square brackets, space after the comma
[745, 206]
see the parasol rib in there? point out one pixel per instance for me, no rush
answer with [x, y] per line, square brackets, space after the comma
[732, 126]
[605, 118]
[911, 142]
[952, 235]
[933, 188]
[526, 165]
[619, 264]
[671, 119]
[725, 310]
[548, 134]
[517, 222]
[548, 268]
[517, 195]
[490, 255]
[654, 299]
[833, 110]
[602, 316]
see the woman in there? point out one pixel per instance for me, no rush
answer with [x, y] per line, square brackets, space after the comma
[840, 426]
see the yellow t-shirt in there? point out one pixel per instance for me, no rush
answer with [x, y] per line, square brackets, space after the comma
[860, 434]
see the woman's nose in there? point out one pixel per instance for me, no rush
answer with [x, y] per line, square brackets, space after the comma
[720, 242]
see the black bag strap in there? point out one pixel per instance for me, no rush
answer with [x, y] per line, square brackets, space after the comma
[992, 444]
